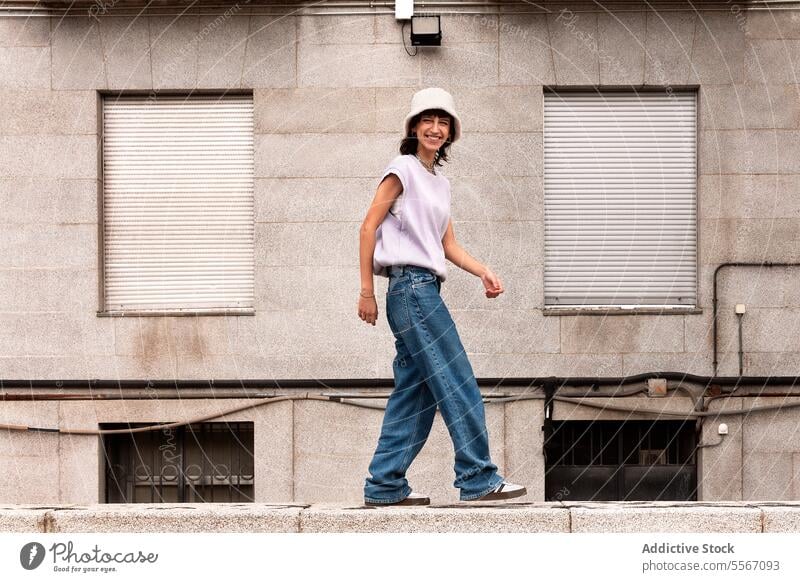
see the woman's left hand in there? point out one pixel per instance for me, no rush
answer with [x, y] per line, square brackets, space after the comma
[492, 284]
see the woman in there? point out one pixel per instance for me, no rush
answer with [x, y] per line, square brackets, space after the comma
[406, 236]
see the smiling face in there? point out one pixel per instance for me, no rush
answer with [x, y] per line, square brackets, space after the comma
[432, 130]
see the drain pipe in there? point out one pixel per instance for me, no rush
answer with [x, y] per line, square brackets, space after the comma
[714, 306]
[549, 387]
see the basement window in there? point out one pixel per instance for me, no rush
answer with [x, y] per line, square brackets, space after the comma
[196, 463]
[634, 460]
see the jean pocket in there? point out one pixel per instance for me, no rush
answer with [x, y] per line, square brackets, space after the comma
[418, 279]
[397, 311]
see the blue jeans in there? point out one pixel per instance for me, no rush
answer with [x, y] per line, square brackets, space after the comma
[431, 368]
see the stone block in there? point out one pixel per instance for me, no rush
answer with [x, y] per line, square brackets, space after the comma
[510, 517]
[543, 364]
[328, 155]
[720, 465]
[48, 290]
[24, 31]
[49, 156]
[174, 51]
[668, 51]
[748, 240]
[25, 67]
[460, 65]
[270, 55]
[507, 330]
[221, 48]
[772, 363]
[525, 463]
[30, 459]
[767, 476]
[355, 65]
[781, 519]
[744, 196]
[689, 363]
[314, 110]
[313, 199]
[718, 49]
[497, 198]
[338, 29]
[769, 25]
[525, 56]
[621, 48]
[748, 107]
[636, 333]
[573, 41]
[21, 519]
[57, 246]
[48, 201]
[619, 518]
[78, 59]
[36, 111]
[178, 518]
[297, 244]
[770, 437]
[126, 49]
[503, 245]
[506, 154]
[771, 62]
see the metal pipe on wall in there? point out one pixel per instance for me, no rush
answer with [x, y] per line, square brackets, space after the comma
[249, 387]
[714, 300]
[25, 9]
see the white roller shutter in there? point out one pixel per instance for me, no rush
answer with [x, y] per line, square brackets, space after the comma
[178, 207]
[620, 198]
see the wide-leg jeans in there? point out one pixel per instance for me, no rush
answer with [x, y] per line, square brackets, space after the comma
[431, 369]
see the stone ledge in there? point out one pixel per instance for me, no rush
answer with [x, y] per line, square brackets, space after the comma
[497, 517]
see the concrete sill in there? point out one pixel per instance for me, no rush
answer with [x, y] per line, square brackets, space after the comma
[175, 313]
[621, 311]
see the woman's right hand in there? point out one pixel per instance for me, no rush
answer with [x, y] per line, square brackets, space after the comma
[368, 309]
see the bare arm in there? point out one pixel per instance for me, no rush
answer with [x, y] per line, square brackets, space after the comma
[456, 254]
[388, 191]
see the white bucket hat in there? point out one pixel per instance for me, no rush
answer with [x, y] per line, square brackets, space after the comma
[433, 98]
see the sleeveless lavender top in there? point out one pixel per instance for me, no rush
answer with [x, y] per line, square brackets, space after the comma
[412, 231]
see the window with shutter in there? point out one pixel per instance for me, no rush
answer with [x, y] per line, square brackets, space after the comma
[620, 198]
[178, 208]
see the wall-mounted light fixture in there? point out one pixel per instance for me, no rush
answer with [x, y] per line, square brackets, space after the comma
[426, 30]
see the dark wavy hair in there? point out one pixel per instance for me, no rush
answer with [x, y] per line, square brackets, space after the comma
[410, 143]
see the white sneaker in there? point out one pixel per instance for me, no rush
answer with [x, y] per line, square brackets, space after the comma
[504, 490]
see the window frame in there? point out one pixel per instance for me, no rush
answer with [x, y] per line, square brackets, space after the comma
[571, 310]
[102, 311]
